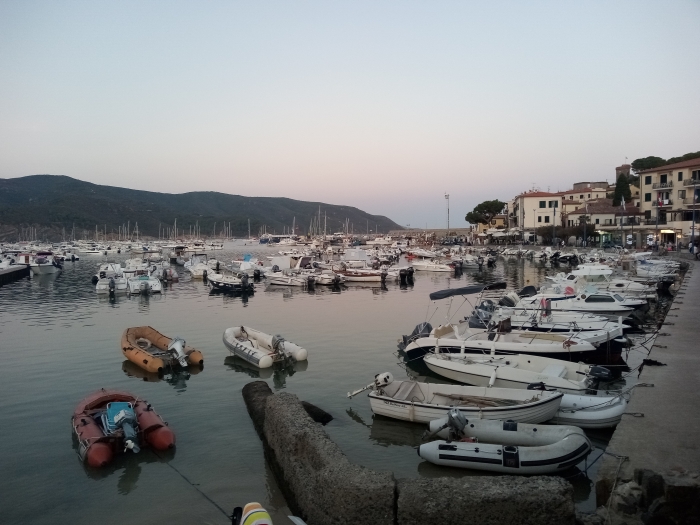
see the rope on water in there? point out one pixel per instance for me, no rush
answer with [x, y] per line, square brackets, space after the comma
[194, 486]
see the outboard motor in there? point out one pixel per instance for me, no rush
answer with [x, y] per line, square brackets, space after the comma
[121, 416]
[112, 286]
[275, 268]
[383, 277]
[403, 276]
[480, 262]
[176, 348]
[218, 268]
[204, 276]
[601, 373]
[143, 287]
[244, 281]
[409, 277]
[164, 276]
[422, 329]
[95, 279]
[310, 281]
[375, 264]
[256, 275]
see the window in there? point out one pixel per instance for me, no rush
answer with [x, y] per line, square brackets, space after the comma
[681, 194]
[571, 197]
[647, 179]
[696, 175]
[546, 218]
[600, 299]
[553, 204]
[580, 196]
[539, 219]
[680, 176]
[543, 204]
[663, 179]
[597, 221]
[647, 197]
[589, 195]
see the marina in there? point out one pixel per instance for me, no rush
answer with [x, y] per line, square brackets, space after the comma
[350, 332]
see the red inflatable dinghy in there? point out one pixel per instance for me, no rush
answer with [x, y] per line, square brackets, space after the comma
[110, 422]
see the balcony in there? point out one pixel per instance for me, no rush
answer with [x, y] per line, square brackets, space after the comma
[652, 222]
[662, 185]
[664, 203]
[691, 182]
[688, 200]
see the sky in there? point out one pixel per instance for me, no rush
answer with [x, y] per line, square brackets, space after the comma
[382, 105]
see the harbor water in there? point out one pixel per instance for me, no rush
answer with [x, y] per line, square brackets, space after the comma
[60, 341]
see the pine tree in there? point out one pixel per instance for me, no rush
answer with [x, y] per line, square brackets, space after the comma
[622, 189]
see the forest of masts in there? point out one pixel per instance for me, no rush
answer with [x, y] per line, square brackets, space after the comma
[124, 232]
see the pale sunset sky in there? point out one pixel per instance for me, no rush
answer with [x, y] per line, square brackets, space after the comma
[382, 105]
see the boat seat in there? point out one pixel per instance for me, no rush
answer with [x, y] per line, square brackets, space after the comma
[554, 370]
[405, 390]
[443, 330]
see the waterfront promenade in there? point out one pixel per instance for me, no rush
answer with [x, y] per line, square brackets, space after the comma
[666, 440]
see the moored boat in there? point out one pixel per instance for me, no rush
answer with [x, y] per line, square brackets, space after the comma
[261, 349]
[109, 422]
[423, 402]
[507, 447]
[154, 352]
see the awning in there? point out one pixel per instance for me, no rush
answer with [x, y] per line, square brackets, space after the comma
[668, 231]
[466, 290]
[498, 234]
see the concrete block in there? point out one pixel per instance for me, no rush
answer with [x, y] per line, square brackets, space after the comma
[255, 395]
[327, 488]
[482, 500]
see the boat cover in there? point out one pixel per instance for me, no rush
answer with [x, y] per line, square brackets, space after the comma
[466, 290]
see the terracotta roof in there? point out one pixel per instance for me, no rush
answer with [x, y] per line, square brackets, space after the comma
[538, 194]
[584, 190]
[604, 206]
[668, 167]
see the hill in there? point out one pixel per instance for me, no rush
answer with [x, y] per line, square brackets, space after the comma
[54, 202]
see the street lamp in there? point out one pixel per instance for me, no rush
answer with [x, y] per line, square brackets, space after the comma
[692, 235]
[447, 197]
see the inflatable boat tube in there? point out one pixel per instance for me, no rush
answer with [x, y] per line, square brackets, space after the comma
[96, 447]
[590, 411]
[147, 348]
[259, 348]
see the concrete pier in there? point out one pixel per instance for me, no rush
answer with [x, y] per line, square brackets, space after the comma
[325, 488]
[13, 273]
[655, 450]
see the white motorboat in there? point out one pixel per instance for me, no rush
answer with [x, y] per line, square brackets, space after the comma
[261, 349]
[110, 279]
[423, 402]
[598, 276]
[143, 282]
[428, 265]
[516, 371]
[590, 300]
[43, 263]
[197, 266]
[506, 447]
[289, 278]
[361, 275]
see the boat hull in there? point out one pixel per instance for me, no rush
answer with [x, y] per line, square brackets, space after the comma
[151, 357]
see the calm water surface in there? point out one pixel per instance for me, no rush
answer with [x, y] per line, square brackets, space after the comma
[60, 341]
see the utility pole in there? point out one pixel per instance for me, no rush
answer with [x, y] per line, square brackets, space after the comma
[447, 198]
[692, 235]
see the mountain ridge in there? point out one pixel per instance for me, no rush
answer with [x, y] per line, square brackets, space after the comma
[55, 202]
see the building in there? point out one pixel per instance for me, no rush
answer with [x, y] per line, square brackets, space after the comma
[608, 221]
[534, 209]
[669, 195]
[499, 222]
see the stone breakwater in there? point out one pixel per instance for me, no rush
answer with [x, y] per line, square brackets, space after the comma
[325, 488]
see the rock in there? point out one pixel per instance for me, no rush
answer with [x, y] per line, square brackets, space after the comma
[681, 489]
[626, 498]
[652, 486]
[327, 488]
[317, 414]
[502, 500]
[255, 395]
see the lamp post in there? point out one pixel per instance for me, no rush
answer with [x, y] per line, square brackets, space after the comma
[447, 197]
[692, 235]
[534, 233]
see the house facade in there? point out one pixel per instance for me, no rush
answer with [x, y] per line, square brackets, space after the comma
[534, 209]
[668, 196]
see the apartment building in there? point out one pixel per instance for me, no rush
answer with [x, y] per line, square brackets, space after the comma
[534, 209]
[668, 196]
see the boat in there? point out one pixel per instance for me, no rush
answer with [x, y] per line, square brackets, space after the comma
[231, 282]
[110, 422]
[261, 349]
[154, 352]
[507, 447]
[589, 300]
[517, 371]
[590, 411]
[423, 402]
[143, 282]
[44, 262]
[289, 278]
[428, 265]
[198, 266]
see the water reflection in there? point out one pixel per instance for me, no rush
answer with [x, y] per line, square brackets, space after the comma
[278, 372]
[387, 432]
[230, 296]
[176, 378]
